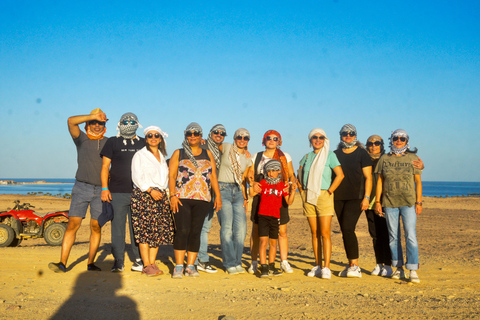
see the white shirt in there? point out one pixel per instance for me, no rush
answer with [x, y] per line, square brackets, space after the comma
[148, 172]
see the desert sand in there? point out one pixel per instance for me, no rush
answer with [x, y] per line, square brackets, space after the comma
[448, 234]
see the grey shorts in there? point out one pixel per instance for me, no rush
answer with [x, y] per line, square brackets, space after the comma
[84, 194]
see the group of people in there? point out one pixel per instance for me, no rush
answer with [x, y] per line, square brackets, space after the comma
[174, 200]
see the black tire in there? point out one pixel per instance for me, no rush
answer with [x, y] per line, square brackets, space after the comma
[16, 242]
[7, 235]
[54, 234]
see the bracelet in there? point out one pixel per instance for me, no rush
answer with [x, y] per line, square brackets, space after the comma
[368, 198]
[173, 196]
[103, 189]
[329, 192]
[377, 202]
[418, 203]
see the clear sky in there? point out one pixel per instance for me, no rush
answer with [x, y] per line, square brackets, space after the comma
[285, 65]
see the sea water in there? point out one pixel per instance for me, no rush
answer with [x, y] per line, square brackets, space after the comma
[430, 188]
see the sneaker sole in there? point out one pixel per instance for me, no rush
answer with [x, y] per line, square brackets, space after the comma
[354, 275]
[287, 271]
[55, 268]
[206, 270]
[137, 269]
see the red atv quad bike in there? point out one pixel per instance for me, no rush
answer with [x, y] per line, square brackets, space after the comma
[22, 223]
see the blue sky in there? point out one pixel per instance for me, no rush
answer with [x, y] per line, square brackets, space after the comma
[284, 65]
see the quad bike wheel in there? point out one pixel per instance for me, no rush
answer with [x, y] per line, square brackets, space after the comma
[7, 235]
[54, 234]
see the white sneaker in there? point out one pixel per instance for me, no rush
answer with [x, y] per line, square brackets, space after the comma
[286, 267]
[354, 272]
[253, 267]
[326, 273]
[398, 274]
[414, 277]
[315, 272]
[386, 271]
[377, 270]
[343, 273]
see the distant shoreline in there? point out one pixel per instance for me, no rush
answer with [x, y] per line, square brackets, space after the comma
[12, 182]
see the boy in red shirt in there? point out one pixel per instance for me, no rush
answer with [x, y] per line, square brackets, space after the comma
[273, 190]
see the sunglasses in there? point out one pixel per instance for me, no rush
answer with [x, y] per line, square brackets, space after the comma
[376, 143]
[351, 134]
[132, 122]
[403, 139]
[195, 134]
[318, 137]
[272, 138]
[151, 135]
[246, 138]
[94, 122]
[222, 133]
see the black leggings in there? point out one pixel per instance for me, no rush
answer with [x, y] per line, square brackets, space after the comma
[348, 212]
[377, 227]
[189, 220]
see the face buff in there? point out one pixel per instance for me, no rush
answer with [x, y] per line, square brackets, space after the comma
[127, 127]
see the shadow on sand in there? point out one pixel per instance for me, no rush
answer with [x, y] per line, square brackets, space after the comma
[94, 297]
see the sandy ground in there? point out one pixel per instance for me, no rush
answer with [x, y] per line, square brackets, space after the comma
[450, 278]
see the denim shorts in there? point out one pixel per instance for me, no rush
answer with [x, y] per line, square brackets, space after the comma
[84, 194]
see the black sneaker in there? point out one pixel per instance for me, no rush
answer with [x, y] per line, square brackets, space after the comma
[274, 271]
[264, 271]
[137, 265]
[57, 267]
[92, 267]
[118, 266]
[206, 267]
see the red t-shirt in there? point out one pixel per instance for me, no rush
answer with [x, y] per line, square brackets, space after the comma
[271, 198]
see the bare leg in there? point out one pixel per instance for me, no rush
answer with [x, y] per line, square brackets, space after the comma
[325, 230]
[272, 252]
[152, 254]
[144, 253]
[263, 250]
[254, 242]
[191, 256]
[69, 238]
[179, 256]
[95, 237]
[283, 242]
[314, 222]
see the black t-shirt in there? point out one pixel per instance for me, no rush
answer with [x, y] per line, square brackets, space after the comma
[121, 155]
[353, 185]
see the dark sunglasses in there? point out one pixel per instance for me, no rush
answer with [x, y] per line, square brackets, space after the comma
[94, 122]
[246, 138]
[151, 135]
[351, 134]
[195, 134]
[376, 143]
[318, 137]
[132, 122]
[222, 133]
[403, 139]
[272, 138]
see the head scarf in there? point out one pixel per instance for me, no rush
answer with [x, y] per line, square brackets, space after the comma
[157, 129]
[374, 138]
[348, 128]
[399, 133]
[278, 155]
[92, 135]
[314, 169]
[213, 146]
[128, 131]
[234, 155]
[186, 146]
[272, 165]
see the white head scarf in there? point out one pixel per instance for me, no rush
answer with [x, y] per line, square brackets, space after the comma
[157, 129]
[314, 182]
